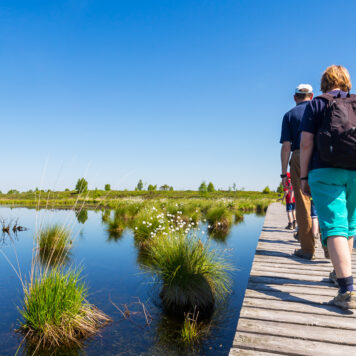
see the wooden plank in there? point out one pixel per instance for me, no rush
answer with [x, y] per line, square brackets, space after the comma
[305, 332]
[298, 318]
[288, 346]
[286, 308]
[291, 288]
[234, 352]
[290, 296]
[319, 306]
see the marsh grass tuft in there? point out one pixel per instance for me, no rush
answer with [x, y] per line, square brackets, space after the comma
[192, 331]
[55, 310]
[54, 243]
[220, 219]
[193, 275]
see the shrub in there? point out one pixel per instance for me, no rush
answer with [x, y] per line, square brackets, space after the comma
[152, 188]
[55, 310]
[192, 274]
[81, 186]
[266, 190]
[139, 185]
[211, 188]
[107, 187]
[203, 188]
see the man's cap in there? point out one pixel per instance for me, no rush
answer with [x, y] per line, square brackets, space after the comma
[304, 89]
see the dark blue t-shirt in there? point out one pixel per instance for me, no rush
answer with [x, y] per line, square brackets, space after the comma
[291, 123]
[311, 122]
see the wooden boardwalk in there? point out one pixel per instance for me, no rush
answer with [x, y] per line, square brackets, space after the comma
[286, 310]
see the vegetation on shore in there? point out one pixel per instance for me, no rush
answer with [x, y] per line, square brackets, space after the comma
[94, 199]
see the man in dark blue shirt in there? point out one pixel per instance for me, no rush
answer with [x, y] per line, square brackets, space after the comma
[290, 140]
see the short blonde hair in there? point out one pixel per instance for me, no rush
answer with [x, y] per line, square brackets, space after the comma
[335, 77]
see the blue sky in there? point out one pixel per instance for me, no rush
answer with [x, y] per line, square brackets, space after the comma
[168, 91]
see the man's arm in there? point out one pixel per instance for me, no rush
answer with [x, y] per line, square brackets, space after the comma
[285, 154]
[306, 150]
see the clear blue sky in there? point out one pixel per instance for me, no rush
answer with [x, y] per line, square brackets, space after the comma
[168, 91]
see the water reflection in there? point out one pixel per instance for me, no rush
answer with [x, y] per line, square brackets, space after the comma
[82, 215]
[116, 270]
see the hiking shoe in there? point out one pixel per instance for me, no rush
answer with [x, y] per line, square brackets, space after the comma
[289, 226]
[333, 278]
[294, 224]
[302, 254]
[345, 301]
[296, 236]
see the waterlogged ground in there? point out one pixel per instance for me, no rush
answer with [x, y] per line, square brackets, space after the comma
[111, 268]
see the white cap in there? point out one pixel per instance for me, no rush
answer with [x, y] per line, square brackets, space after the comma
[304, 89]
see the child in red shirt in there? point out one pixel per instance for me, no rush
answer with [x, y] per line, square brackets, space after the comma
[290, 203]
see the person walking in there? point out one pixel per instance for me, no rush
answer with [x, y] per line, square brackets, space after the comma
[290, 140]
[290, 203]
[328, 173]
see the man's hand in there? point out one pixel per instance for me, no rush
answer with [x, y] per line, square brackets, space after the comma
[304, 185]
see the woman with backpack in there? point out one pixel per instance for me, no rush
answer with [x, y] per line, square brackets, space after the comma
[328, 172]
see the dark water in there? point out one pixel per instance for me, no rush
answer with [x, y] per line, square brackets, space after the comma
[112, 272]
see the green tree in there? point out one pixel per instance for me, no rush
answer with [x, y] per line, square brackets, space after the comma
[164, 187]
[211, 187]
[152, 187]
[107, 187]
[139, 185]
[203, 188]
[171, 188]
[266, 190]
[234, 187]
[13, 191]
[81, 186]
[280, 188]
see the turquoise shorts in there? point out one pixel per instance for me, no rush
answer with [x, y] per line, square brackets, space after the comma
[334, 194]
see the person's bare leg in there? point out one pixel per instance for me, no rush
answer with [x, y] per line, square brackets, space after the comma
[290, 217]
[339, 251]
[294, 216]
[351, 243]
[315, 226]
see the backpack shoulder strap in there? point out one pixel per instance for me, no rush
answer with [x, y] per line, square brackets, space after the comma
[325, 96]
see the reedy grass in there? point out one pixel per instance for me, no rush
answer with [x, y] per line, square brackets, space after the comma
[54, 243]
[192, 331]
[55, 310]
[192, 274]
[149, 224]
[220, 218]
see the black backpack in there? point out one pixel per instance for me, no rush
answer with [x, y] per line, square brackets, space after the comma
[336, 137]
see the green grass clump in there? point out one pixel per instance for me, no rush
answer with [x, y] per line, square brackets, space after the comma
[220, 219]
[193, 275]
[55, 310]
[192, 331]
[54, 243]
[148, 225]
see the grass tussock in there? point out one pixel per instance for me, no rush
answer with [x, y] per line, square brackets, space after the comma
[54, 243]
[192, 331]
[220, 219]
[55, 311]
[193, 275]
